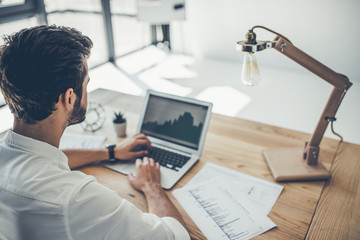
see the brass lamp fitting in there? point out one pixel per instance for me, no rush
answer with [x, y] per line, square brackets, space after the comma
[250, 38]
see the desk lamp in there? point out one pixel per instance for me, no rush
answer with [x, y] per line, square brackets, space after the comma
[294, 164]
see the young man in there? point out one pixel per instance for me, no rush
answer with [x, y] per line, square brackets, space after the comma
[43, 77]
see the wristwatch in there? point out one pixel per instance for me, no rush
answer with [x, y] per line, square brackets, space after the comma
[110, 149]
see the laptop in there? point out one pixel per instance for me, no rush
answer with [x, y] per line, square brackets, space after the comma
[176, 127]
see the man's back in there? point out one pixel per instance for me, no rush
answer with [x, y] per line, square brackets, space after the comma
[40, 198]
[36, 186]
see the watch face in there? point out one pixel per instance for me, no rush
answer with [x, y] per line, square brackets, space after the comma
[110, 146]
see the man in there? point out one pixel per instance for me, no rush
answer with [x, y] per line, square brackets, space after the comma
[43, 77]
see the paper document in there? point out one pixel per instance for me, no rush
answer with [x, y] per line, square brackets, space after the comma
[261, 192]
[230, 206]
[219, 214]
[80, 141]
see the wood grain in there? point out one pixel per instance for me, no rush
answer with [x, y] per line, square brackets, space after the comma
[237, 144]
[338, 213]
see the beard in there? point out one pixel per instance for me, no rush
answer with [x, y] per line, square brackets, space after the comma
[78, 113]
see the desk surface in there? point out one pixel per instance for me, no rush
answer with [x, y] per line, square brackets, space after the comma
[304, 210]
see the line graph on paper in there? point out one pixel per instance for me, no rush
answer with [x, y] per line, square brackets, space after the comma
[230, 222]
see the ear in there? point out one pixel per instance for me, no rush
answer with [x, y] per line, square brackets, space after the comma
[69, 99]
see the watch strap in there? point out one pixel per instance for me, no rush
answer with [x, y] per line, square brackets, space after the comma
[111, 151]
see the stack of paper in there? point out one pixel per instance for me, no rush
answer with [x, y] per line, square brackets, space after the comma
[226, 204]
[80, 141]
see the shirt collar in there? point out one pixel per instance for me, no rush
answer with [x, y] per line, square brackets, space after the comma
[35, 146]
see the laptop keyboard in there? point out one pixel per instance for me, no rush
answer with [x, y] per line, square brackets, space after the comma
[171, 160]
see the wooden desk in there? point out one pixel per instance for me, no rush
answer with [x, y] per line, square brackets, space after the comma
[305, 210]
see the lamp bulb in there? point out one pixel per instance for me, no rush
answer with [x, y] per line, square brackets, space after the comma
[250, 74]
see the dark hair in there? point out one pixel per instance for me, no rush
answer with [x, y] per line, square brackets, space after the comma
[39, 64]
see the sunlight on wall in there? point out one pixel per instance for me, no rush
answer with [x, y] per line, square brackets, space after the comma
[175, 67]
[109, 77]
[153, 81]
[154, 68]
[227, 100]
[141, 60]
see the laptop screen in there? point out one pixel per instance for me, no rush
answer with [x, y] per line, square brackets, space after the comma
[174, 121]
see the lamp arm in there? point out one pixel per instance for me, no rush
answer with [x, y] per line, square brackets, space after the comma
[288, 49]
[340, 82]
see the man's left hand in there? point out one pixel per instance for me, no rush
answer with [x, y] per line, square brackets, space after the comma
[127, 148]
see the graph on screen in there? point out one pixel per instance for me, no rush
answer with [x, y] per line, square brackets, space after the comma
[180, 128]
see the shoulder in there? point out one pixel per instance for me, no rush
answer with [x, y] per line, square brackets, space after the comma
[90, 191]
[39, 177]
[58, 186]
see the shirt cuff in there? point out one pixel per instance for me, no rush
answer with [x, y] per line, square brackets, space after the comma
[176, 228]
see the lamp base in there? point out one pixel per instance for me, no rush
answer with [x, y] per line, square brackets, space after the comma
[288, 165]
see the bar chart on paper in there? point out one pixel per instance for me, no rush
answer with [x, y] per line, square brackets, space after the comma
[225, 219]
[261, 193]
[219, 215]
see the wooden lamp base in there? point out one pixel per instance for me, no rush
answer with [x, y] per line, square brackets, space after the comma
[288, 165]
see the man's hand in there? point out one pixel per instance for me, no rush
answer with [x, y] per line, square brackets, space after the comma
[147, 180]
[126, 149]
[147, 175]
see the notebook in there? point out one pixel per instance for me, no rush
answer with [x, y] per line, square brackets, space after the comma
[176, 127]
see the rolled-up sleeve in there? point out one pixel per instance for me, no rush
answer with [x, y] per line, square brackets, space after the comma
[177, 228]
[96, 212]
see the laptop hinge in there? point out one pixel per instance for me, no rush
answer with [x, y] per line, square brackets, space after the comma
[164, 146]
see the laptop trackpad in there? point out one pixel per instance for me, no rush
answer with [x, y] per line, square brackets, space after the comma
[125, 168]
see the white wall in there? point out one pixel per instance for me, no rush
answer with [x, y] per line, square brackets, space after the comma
[328, 30]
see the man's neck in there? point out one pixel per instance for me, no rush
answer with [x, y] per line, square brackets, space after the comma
[46, 131]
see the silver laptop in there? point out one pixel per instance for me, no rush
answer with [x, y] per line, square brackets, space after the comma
[176, 127]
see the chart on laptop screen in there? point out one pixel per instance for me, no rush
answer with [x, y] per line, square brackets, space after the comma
[174, 121]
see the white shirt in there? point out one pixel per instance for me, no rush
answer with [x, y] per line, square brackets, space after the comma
[41, 198]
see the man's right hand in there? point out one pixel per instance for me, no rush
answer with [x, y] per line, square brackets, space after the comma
[147, 180]
[147, 177]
